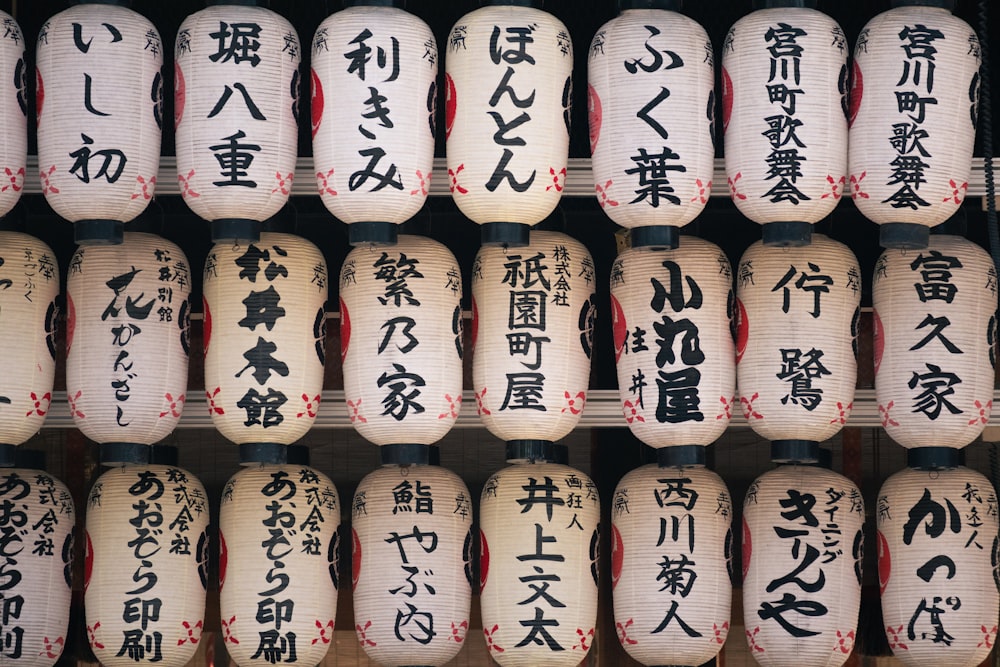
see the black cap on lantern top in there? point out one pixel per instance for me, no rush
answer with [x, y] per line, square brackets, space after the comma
[794, 451]
[787, 234]
[532, 451]
[119, 3]
[903, 235]
[98, 232]
[298, 455]
[400, 4]
[933, 458]
[372, 233]
[681, 456]
[407, 454]
[943, 4]
[510, 234]
[164, 455]
[655, 236]
[235, 230]
[263, 452]
[772, 4]
[32, 459]
[124, 453]
[8, 455]
[537, 4]
[669, 5]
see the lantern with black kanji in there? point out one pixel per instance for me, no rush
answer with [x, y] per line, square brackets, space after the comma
[784, 116]
[13, 113]
[798, 311]
[914, 101]
[278, 559]
[127, 343]
[99, 135]
[934, 342]
[651, 107]
[236, 108]
[146, 570]
[802, 551]
[509, 89]
[539, 532]
[374, 96]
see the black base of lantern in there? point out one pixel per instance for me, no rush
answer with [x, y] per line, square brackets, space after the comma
[124, 453]
[669, 5]
[680, 456]
[164, 455]
[794, 451]
[240, 3]
[8, 455]
[298, 455]
[510, 234]
[787, 234]
[655, 236]
[400, 4]
[771, 4]
[372, 233]
[537, 4]
[98, 232]
[933, 458]
[535, 451]
[32, 459]
[235, 229]
[903, 236]
[943, 4]
[409, 454]
[263, 452]
[118, 3]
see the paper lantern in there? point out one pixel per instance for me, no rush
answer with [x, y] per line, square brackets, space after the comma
[265, 302]
[914, 99]
[538, 564]
[509, 88]
[278, 545]
[29, 276]
[796, 342]
[534, 308]
[937, 556]
[672, 592]
[672, 322]
[784, 83]
[935, 331]
[374, 95]
[13, 113]
[412, 554]
[651, 108]
[127, 343]
[236, 107]
[99, 134]
[802, 552]
[146, 571]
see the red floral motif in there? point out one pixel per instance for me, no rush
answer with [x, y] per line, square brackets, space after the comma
[212, 407]
[895, 639]
[46, 186]
[146, 186]
[50, 650]
[489, 639]
[558, 178]
[362, 634]
[174, 406]
[425, 184]
[984, 413]
[73, 412]
[733, 187]
[355, 408]
[856, 190]
[575, 403]
[92, 633]
[323, 637]
[748, 409]
[284, 183]
[630, 412]
[584, 638]
[836, 188]
[727, 407]
[887, 421]
[989, 636]
[16, 183]
[845, 642]
[480, 408]
[958, 191]
[458, 631]
[454, 406]
[227, 632]
[704, 190]
[843, 413]
[752, 641]
[311, 406]
[721, 632]
[186, 189]
[455, 187]
[605, 200]
[37, 401]
[190, 629]
[323, 183]
[623, 633]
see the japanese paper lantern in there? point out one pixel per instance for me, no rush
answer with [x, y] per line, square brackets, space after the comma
[99, 134]
[401, 341]
[412, 554]
[532, 336]
[935, 331]
[29, 278]
[127, 343]
[797, 314]
[236, 107]
[914, 98]
[784, 113]
[671, 564]
[147, 565]
[374, 96]
[651, 107]
[937, 566]
[509, 88]
[672, 322]
[279, 542]
[13, 113]
[538, 564]
[264, 308]
[802, 552]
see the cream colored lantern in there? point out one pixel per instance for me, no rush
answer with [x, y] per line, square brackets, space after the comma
[13, 113]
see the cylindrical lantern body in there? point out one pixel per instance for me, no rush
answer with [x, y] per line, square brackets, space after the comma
[99, 140]
[264, 308]
[147, 565]
[279, 543]
[374, 93]
[937, 559]
[37, 527]
[127, 339]
[508, 78]
[671, 591]
[401, 340]
[651, 107]
[13, 114]
[236, 105]
[802, 551]
[671, 317]
[538, 564]
[532, 336]
[412, 554]
[934, 342]
[797, 319]
[914, 98]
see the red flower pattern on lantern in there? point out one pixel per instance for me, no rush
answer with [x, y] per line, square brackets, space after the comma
[362, 634]
[721, 632]
[72, 405]
[843, 413]
[584, 638]
[623, 633]
[212, 407]
[958, 191]
[44, 178]
[989, 636]
[489, 639]
[355, 408]
[845, 642]
[190, 630]
[575, 403]
[185, 181]
[836, 187]
[227, 631]
[734, 192]
[311, 406]
[984, 413]
[15, 179]
[37, 402]
[895, 640]
[630, 412]
[455, 187]
[50, 650]
[284, 185]
[748, 410]
[752, 641]
[481, 409]
[458, 631]
[425, 184]
[323, 637]
[145, 187]
[856, 190]
[174, 406]
[884, 412]
[727, 407]
[603, 192]
[558, 178]
[704, 190]
[323, 183]
[454, 407]
[92, 633]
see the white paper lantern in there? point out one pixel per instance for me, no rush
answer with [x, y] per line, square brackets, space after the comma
[784, 78]
[937, 555]
[374, 95]
[538, 564]
[29, 285]
[412, 554]
[264, 307]
[236, 106]
[13, 113]
[672, 322]
[651, 108]
[914, 98]
[99, 131]
[127, 343]
[279, 540]
[798, 311]
[509, 87]
[935, 331]
[672, 592]
[802, 552]
[532, 336]
[147, 565]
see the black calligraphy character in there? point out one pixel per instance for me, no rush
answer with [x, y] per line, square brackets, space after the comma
[521, 343]
[656, 61]
[227, 93]
[84, 47]
[504, 88]
[788, 604]
[136, 644]
[814, 282]
[262, 408]
[936, 385]
[397, 539]
[799, 505]
[501, 174]
[407, 324]
[935, 272]
[930, 568]
[422, 619]
[548, 499]
[238, 42]
[109, 156]
[667, 332]
[653, 171]
[262, 308]
[360, 177]
[261, 358]
[938, 324]
[644, 114]
[520, 37]
[398, 402]
[672, 615]
[275, 647]
[524, 392]
[678, 396]
[800, 369]
[538, 634]
[677, 575]
[934, 517]
[234, 159]
[784, 50]
[133, 308]
[675, 295]
[377, 110]
[88, 83]
[934, 613]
